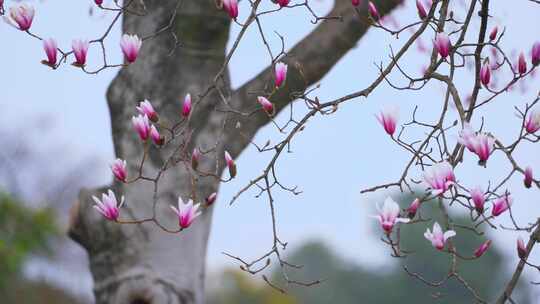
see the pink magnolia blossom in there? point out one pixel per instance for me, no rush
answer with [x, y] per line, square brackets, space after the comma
[98, 2]
[119, 170]
[388, 118]
[437, 237]
[527, 181]
[477, 196]
[442, 44]
[493, 33]
[266, 105]
[195, 158]
[80, 49]
[356, 2]
[485, 74]
[482, 248]
[535, 54]
[480, 144]
[21, 16]
[142, 126]
[230, 164]
[108, 205]
[521, 248]
[49, 45]
[283, 3]
[389, 215]
[483, 146]
[373, 12]
[413, 208]
[522, 64]
[532, 123]
[186, 106]
[130, 45]
[211, 199]
[501, 204]
[280, 74]
[421, 9]
[155, 136]
[186, 212]
[440, 177]
[231, 7]
[146, 108]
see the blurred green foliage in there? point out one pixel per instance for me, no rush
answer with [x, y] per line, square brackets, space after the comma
[346, 282]
[22, 231]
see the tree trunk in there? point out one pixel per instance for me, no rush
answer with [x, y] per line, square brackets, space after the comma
[142, 263]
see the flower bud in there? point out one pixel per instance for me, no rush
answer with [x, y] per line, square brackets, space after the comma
[119, 170]
[442, 44]
[482, 249]
[230, 164]
[527, 181]
[211, 199]
[231, 7]
[49, 45]
[280, 74]
[80, 49]
[485, 74]
[373, 12]
[521, 248]
[413, 208]
[421, 9]
[146, 108]
[266, 105]
[522, 64]
[186, 106]
[493, 34]
[20, 16]
[156, 137]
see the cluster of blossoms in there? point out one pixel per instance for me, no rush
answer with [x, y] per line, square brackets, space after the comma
[21, 17]
[109, 207]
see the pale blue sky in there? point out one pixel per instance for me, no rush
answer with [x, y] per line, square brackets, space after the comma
[333, 158]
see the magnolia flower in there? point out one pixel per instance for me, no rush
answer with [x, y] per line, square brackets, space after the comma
[522, 64]
[211, 199]
[49, 45]
[280, 74]
[108, 205]
[20, 16]
[493, 33]
[421, 9]
[142, 126]
[413, 208]
[356, 2]
[442, 44]
[483, 146]
[440, 177]
[231, 7]
[485, 74]
[480, 144]
[119, 170]
[130, 45]
[373, 12]
[388, 118]
[98, 2]
[389, 215]
[186, 106]
[482, 249]
[535, 53]
[146, 108]
[527, 181]
[437, 237]
[156, 137]
[477, 196]
[532, 123]
[80, 49]
[195, 157]
[266, 105]
[521, 248]
[500, 205]
[283, 3]
[230, 164]
[186, 212]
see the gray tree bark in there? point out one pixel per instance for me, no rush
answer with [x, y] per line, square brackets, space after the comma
[141, 263]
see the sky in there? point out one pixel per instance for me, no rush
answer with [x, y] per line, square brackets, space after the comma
[334, 158]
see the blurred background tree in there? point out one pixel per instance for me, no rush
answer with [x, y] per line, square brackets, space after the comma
[345, 282]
